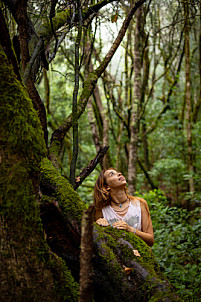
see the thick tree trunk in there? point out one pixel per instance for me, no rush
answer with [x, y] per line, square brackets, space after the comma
[29, 270]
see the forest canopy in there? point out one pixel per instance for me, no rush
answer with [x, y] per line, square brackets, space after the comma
[87, 85]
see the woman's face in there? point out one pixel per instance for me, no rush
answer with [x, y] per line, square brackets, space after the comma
[114, 179]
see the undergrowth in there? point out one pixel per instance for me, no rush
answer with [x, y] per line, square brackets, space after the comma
[177, 246]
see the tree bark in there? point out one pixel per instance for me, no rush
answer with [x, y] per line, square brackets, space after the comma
[27, 264]
[86, 253]
[91, 166]
[136, 106]
[47, 90]
[75, 94]
[188, 98]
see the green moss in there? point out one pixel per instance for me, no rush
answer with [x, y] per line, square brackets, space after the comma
[65, 286]
[69, 201]
[58, 21]
[113, 242]
[147, 259]
[22, 147]
[19, 121]
[164, 297]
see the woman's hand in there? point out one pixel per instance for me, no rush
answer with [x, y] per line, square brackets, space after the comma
[122, 225]
[102, 222]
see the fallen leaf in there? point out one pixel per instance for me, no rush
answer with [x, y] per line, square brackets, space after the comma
[136, 253]
[128, 270]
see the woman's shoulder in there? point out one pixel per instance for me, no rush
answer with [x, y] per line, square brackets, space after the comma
[138, 200]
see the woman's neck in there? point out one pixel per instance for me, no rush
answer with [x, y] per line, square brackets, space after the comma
[118, 197]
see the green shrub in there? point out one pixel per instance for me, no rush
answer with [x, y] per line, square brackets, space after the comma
[177, 246]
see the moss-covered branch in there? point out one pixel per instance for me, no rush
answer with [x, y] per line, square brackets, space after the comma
[64, 17]
[56, 186]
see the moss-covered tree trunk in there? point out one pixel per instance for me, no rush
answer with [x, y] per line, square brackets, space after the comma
[29, 270]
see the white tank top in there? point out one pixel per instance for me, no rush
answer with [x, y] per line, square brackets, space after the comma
[132, 217]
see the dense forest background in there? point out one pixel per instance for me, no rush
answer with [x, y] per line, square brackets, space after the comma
[166, 109]
[145, 104]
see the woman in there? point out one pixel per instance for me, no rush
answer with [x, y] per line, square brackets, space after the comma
[114, 207]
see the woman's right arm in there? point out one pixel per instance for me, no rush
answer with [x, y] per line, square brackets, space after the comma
[98, 217]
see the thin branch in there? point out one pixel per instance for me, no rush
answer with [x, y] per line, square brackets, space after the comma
[52, 14]
[52, 56]
[75, 94]
[173, 24]
[91, 166]
[160, 76]
[28, 68]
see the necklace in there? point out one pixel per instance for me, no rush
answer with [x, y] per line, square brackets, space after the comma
[121, 211]
[120, 203]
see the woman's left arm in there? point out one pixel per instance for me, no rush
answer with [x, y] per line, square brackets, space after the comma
[147, 233]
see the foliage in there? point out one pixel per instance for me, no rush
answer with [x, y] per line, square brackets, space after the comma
[176, 230]
[177, 244]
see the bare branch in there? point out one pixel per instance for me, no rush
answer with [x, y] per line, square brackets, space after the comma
[91, 166]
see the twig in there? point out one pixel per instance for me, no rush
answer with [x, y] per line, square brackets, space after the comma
[91, 166]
